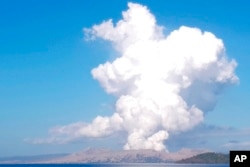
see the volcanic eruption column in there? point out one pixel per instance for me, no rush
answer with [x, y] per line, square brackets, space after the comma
[156, 78]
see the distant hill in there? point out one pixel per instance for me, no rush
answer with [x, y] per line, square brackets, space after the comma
[30, 159]
[125, 156]
[207, 158]
[109, 156]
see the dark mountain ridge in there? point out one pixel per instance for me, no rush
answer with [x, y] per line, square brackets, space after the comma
[207, 158]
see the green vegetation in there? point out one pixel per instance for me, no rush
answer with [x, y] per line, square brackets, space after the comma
[207, 158]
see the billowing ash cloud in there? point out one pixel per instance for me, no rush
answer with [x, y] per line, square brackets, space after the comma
[163, 83]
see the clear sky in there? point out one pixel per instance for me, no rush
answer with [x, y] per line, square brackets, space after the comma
[46, 81]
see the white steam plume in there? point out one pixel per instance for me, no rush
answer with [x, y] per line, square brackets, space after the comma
[156, 79]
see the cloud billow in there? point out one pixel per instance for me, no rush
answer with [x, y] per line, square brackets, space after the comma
[163, 83]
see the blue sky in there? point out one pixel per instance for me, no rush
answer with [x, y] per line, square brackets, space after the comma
[46, 81]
